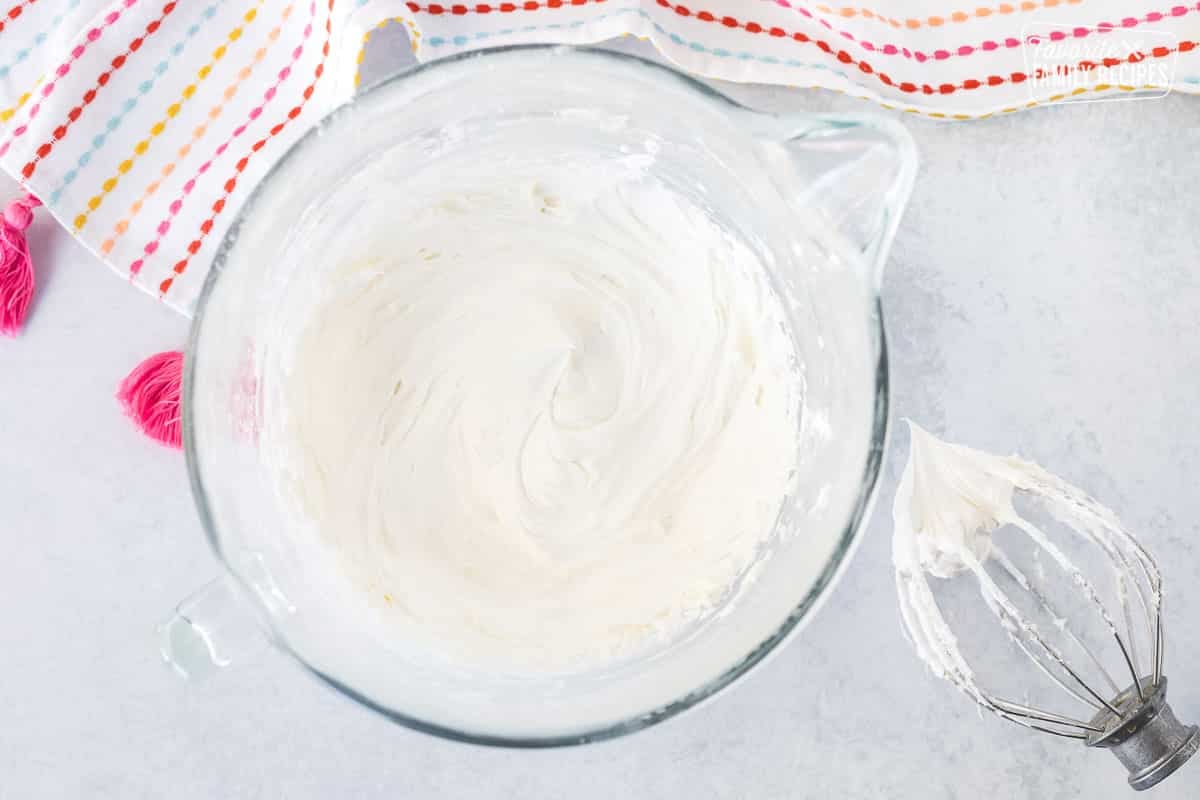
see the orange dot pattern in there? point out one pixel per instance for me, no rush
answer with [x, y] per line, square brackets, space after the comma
[158, 127]
[936, 20]
[197, 134]
[230, 185]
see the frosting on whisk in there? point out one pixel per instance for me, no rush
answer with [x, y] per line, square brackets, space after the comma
[950, 503]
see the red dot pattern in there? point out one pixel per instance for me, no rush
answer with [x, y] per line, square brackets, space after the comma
[102, 79]
[14, 12]
[437, 9]
[231, 183]
[989, 45]
[840, 55]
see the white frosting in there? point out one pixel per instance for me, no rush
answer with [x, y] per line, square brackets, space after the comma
[549, 425]
[949, 505]
[949, 502]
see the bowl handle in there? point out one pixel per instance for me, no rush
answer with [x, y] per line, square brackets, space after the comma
[219, 624]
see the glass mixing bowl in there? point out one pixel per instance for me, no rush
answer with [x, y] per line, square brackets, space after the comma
[816, 196]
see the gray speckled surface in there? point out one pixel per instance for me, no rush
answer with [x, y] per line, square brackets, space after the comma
[1043, 296]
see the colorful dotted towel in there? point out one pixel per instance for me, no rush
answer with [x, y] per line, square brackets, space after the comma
[141, 124]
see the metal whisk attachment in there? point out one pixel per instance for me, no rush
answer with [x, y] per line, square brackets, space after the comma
[1062, 578]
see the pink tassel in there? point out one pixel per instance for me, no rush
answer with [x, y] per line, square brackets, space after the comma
[16, 268]
[151, 397]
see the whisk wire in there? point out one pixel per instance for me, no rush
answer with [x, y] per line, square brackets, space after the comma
[1105, 531]
[1043, 541]
[1131, 657]
[1029, 712]
[1137, 681]
[1025, 723]
[1002, 606]
[1158, 646]
[1023, 581]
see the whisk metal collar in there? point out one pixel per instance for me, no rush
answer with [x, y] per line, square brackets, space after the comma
[1145, 735]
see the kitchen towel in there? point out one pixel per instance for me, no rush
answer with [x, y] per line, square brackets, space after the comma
[141, 125]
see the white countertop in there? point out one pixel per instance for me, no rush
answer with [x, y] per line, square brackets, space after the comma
[1043, 296]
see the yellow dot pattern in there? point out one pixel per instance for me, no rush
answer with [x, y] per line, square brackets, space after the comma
[7, 114]
[414, 35]
[197, 134]
[172, 111]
